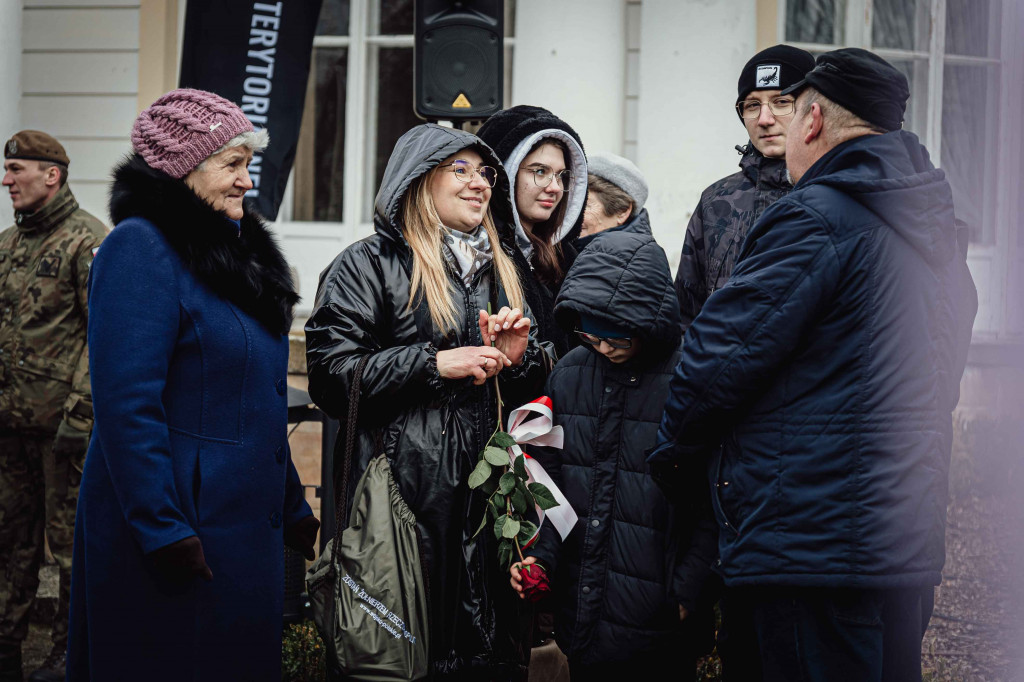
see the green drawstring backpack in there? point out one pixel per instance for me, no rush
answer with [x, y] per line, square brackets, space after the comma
[367, 588]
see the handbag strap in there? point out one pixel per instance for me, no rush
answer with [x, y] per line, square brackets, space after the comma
[341, 496]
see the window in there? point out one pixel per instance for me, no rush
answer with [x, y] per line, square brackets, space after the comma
[358, 103]
[949, 51]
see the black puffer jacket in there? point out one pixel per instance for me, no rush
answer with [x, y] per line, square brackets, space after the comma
[432, 428]
[511, 133]
[639, 224]
[633, 556]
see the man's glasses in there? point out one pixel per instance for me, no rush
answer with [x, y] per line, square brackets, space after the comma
[780, 106]
[464, 172]
[542, 176]
[594, 340]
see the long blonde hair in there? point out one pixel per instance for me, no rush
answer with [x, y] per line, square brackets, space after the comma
[420, 226]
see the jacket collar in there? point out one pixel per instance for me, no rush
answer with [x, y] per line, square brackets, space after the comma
[763, 172]
[239, 262]
[52, 214]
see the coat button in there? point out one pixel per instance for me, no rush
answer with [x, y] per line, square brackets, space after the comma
[586, 590]
[279, 454]
[632, 380]
[280, 387]
[725, 484]
[607, 389]
[275, 520]
[595, 523]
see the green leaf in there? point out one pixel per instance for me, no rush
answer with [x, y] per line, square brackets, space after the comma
[521, 486]
[510, 529]
[504, 553]
[507, 483]
[483, 522]
[499, 526]
[480, 474]
[545, 500]
[496, 456]
[490, 485]
[502, 440]
[497, 504]
[526, 531]
[519, 466]
[519, 502]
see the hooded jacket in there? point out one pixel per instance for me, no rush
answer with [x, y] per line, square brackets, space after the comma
[726, 212]
[432, 429]
[511, 134]
[188, 321]
[638, 224]
[829, 365]
[634, 556]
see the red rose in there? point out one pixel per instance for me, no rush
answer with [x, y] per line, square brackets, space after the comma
[535, 582]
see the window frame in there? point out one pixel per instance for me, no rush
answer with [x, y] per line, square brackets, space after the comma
[361, 85]
[995, 260]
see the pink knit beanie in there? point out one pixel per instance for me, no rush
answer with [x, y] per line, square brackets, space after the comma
[178, 131]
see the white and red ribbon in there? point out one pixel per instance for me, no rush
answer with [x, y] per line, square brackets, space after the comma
[540, 430]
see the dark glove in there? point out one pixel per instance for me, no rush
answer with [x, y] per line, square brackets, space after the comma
[181, 561]
[70, 443]
[301, 536]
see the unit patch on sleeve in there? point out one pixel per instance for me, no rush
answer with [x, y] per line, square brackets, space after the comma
[49, 266]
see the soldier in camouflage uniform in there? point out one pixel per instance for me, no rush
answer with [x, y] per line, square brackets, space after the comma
[714, 236]
[45, 401]
[729, 207]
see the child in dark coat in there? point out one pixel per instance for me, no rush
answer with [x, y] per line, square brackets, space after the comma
[628, 580]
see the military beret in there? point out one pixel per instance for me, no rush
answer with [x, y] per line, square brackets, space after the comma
[36, 145]
[862, 83]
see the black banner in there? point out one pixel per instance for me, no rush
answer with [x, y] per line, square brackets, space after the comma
[257, 55]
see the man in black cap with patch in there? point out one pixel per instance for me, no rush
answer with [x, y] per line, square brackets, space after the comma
[730, 206]
[45, 399]
[828, 368]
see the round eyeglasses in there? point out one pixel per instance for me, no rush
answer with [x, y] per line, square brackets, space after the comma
[542, 176]
[779, 106]
[464, 172]
[595, 340]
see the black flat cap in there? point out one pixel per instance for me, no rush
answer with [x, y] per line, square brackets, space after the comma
[861, 82]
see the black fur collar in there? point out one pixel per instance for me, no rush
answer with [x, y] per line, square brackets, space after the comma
[247, 269]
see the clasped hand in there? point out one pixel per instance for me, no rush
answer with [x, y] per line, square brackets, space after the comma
[507, 329]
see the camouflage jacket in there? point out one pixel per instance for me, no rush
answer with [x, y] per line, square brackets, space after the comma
[44, 272]
[726, 212]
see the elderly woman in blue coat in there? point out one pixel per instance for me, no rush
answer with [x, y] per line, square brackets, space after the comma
[189, 493]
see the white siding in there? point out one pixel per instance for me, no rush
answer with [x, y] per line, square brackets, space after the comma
[79, 79]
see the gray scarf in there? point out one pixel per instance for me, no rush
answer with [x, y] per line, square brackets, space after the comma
[468, 252]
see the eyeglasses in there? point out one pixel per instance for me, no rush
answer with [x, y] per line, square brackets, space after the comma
[780, 106]
[464, 172]
[542, 176]
[596, 340]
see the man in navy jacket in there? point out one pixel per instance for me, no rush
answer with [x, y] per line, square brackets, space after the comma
[828, 369]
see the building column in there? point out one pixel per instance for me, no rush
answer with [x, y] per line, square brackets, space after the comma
[10, 68]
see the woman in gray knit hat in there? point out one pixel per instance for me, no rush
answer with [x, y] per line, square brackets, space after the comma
[616, 194]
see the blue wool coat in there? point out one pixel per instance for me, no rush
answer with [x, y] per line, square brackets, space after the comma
[188, 371]
[828, 368]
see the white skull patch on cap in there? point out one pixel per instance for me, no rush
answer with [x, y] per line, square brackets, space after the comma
[767, 76]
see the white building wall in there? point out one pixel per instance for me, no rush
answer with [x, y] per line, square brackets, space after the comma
[79, 76]
[10, 69]
[691, 57]
[570, 58]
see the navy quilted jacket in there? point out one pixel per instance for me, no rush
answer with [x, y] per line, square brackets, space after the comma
[633, 556]
[828, 368]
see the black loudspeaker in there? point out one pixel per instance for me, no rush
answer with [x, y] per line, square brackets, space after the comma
[459, 59]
